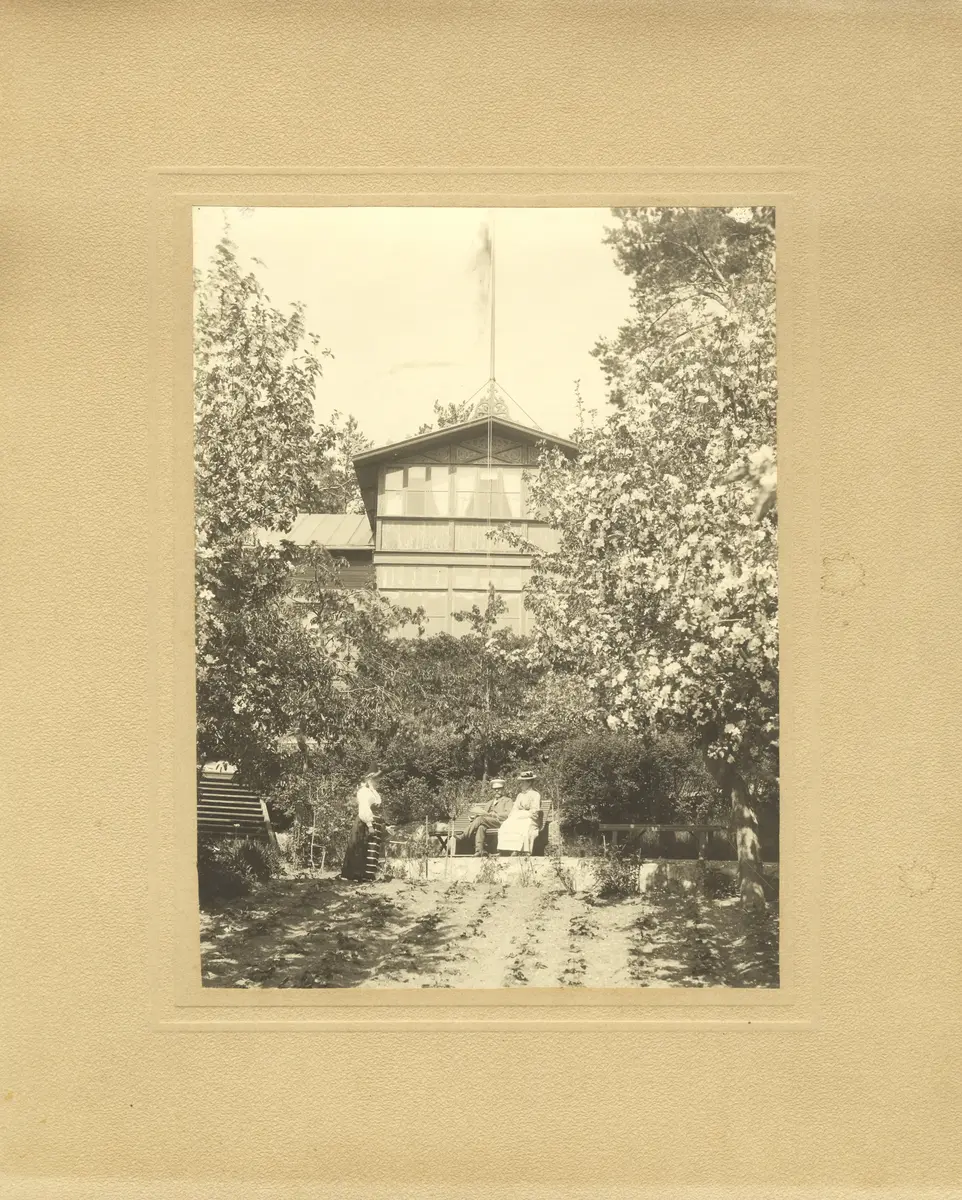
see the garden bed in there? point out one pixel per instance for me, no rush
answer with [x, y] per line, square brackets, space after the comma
[485, 924]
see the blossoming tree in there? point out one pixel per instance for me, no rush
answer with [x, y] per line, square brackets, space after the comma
[664, 590]
[271, 663]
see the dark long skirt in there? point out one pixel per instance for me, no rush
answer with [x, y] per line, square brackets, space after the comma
[363, 854]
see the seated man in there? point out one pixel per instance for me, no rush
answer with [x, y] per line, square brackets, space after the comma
[489, 816]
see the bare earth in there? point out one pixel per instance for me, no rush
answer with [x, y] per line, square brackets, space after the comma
[502, 930]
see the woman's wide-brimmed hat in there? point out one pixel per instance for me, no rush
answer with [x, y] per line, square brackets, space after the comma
[373, 774]
[527, 775]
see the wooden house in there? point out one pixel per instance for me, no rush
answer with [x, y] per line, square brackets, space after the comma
[435, 505]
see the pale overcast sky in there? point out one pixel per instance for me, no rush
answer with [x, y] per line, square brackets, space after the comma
[397, 295]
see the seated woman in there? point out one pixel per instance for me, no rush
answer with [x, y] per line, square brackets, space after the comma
[521, 826]
[362, 857]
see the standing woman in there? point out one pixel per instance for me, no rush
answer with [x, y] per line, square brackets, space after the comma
[363, 854]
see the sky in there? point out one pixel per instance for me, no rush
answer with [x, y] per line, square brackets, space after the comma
[399, 296]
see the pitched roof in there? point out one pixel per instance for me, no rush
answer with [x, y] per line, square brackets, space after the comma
[367, 462]
[494, 401]
[449, 433]
[335, 531]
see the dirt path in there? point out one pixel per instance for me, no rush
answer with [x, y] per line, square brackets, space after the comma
[502, 930]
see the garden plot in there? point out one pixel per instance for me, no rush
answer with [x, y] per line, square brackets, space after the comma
[505, 925]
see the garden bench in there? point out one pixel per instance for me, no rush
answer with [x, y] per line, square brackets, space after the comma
[450, 833]
[701, 832]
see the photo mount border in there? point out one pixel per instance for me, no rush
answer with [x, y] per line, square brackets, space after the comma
[179, 1002]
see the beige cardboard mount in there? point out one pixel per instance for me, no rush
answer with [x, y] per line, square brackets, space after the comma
[117, 1077]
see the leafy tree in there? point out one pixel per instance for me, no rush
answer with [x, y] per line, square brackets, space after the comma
[269, 664]
[456, 412]
[438, 712]
[664, 591]
[255, 371]
[332, 484]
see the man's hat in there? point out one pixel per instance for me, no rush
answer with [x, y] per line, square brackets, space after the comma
[497, 783]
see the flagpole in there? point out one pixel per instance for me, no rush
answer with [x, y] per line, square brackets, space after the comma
[491, 242]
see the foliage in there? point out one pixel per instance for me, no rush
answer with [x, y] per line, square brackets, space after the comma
[270, 663]
[717, 884]
[665, 589]
[323, 809]
[463, 708]
[254, 659]
[332, 483]
[455, 412]
[228, 868]
[255, 372]
[616, 875]
[663, 593]
[563, 873]
[438, 714]
[605, 776]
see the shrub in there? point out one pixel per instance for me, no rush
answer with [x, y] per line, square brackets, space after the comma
[581, 846]
[563, 873]
[718, 885]
[414, 800]
[228, 868]
[616, 875]
[605, 776]
[261, 859]
[322, 802]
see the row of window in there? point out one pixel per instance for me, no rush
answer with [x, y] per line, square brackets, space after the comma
[437, 605]
[439, 504]
[455, 491]
[505, 579]
[467, 539]
[466, 479]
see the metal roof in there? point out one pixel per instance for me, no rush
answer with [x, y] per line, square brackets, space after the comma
[335, 531]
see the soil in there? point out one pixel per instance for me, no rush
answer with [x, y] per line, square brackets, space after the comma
[308, 931]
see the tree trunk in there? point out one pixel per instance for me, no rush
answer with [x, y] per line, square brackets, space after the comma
[744, 826]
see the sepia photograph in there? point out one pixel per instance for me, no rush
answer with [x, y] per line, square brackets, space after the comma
[486, 597]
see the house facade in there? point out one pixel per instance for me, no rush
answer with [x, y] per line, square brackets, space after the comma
[436, 506]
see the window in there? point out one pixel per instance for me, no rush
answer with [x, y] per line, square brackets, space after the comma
[505, 579]
[474, 539]
[435, 604]
[415, 492]
[415, 535]
[488, 492]
[412, 577]
[544, 537]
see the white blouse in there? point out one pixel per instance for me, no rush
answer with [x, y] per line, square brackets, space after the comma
[367, 801]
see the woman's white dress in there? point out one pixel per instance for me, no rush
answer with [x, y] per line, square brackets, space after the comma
[520, 827]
